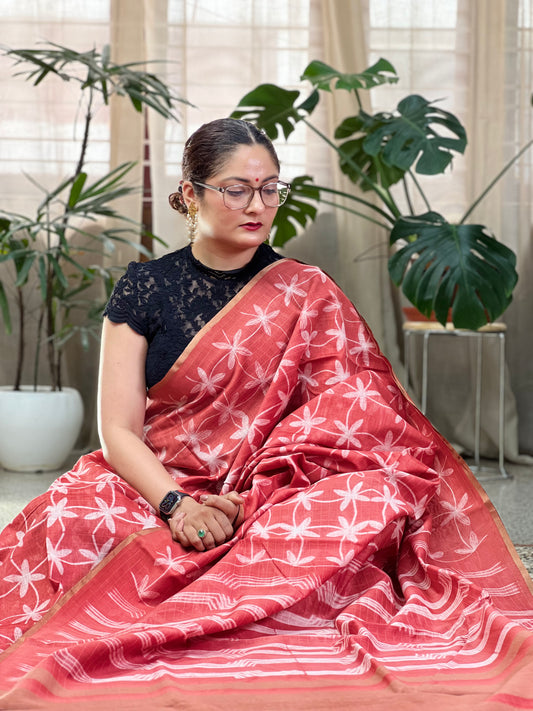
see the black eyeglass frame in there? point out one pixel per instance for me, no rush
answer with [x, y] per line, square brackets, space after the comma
[260, 190]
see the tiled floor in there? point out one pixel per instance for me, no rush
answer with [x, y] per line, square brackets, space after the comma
[512, 498]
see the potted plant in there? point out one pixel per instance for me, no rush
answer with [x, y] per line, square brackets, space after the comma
[56, 255]
[445, 268]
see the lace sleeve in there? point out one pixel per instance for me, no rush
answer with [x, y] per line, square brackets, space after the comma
[131, 300]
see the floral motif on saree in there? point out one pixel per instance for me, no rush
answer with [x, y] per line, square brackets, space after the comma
[370, 565]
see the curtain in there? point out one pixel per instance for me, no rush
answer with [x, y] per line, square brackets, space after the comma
[474, 56]
[38, 139]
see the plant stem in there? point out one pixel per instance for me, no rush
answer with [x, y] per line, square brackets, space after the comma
[21, 345]
[495, 180]
[38, 348]
[407, 196]
[420, 191]
[85, 141]
[382, 192]
[355, 198]
[356, 212]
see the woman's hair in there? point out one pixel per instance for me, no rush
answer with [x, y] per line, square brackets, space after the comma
[210, 147]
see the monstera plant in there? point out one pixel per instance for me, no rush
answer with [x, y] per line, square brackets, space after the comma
[442, 266]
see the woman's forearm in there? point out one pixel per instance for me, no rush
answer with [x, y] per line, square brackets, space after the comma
[135, 462]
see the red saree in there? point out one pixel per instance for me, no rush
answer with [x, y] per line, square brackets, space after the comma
[371, 570]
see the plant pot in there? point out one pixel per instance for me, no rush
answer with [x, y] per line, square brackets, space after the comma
[38, 429]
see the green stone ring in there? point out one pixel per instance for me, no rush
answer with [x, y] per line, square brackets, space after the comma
[201, 533]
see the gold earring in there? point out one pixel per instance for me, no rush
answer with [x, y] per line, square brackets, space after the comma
[192, 221]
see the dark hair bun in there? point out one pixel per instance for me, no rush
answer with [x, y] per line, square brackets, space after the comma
[177, 202]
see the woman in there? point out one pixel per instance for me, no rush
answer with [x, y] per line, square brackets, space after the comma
[229, 223]
[329, 546]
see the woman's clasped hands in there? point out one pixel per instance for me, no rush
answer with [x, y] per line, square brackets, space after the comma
[206, 524]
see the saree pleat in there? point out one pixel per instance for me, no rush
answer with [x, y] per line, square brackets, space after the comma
[371, 567]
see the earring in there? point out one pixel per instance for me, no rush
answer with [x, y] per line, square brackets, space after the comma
[192, 221]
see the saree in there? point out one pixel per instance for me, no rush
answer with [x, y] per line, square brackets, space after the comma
[370, 571]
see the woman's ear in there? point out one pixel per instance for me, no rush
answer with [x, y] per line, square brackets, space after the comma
[188, 192]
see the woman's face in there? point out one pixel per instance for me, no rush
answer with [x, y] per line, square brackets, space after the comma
[227, 239]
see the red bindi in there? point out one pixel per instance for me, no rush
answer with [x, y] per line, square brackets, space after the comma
[257, 180]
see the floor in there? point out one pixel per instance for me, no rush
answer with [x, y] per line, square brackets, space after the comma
[512, 498]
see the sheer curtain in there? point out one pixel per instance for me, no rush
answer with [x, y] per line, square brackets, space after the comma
[215, 51]
[475, 58]
[37, 139]
[212, 52]
[473, 55]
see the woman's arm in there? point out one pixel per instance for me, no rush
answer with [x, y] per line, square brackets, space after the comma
[121, 412]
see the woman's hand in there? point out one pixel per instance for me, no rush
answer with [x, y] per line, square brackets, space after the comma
[235, 514]
[213, 518]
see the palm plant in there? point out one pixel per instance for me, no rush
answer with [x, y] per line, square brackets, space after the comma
[46, 251]
[440, 265]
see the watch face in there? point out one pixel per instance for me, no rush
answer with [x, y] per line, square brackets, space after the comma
[170, 500]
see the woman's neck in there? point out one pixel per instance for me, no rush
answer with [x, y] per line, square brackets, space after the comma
[222, 261]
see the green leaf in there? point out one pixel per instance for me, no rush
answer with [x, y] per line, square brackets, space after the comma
[4, 308]
[443, 266]
[58, 271]
[366, 170]
[417, 134]
[42, 277]
[95, 72]
[24, 269]
[77, 187]
[297, 211]
[272, 109]
[321, 76]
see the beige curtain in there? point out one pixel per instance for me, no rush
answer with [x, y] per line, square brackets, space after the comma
[363, 246]
[37, 138]
[474, 55]
[476, 58]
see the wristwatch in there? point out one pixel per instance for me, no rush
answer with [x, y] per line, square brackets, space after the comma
[170, 503]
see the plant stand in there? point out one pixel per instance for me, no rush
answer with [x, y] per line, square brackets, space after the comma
[427, 330]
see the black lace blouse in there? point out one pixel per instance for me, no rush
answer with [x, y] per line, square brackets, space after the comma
[168, 300]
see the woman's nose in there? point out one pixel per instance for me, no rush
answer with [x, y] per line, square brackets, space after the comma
[256, 203]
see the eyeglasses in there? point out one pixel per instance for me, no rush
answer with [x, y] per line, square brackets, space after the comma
[238, 197]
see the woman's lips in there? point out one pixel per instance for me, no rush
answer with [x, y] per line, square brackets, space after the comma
[252, 226]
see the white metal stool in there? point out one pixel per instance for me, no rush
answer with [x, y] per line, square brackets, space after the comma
[427, 329]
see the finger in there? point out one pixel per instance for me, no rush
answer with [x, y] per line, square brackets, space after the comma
[221, 503]
[202, 538]
[239, 518]
[220, 531]
[235, 497]
[193, 540]
[220, 526]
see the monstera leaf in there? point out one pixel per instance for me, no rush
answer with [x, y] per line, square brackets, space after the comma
[443, 266]
[272, 109]
[275, 109]
[321, 76]
[364, 169]
[417, 135]
[297, 210]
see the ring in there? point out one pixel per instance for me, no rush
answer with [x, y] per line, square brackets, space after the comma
[201, 533]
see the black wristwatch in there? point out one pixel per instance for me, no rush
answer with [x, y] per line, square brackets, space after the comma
[170, 503]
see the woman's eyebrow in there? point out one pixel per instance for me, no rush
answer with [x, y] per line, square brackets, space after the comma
[246, 180]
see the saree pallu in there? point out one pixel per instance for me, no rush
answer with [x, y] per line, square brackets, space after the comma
[371, 570]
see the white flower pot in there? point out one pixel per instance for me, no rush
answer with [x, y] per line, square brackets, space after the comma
[38, 429]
